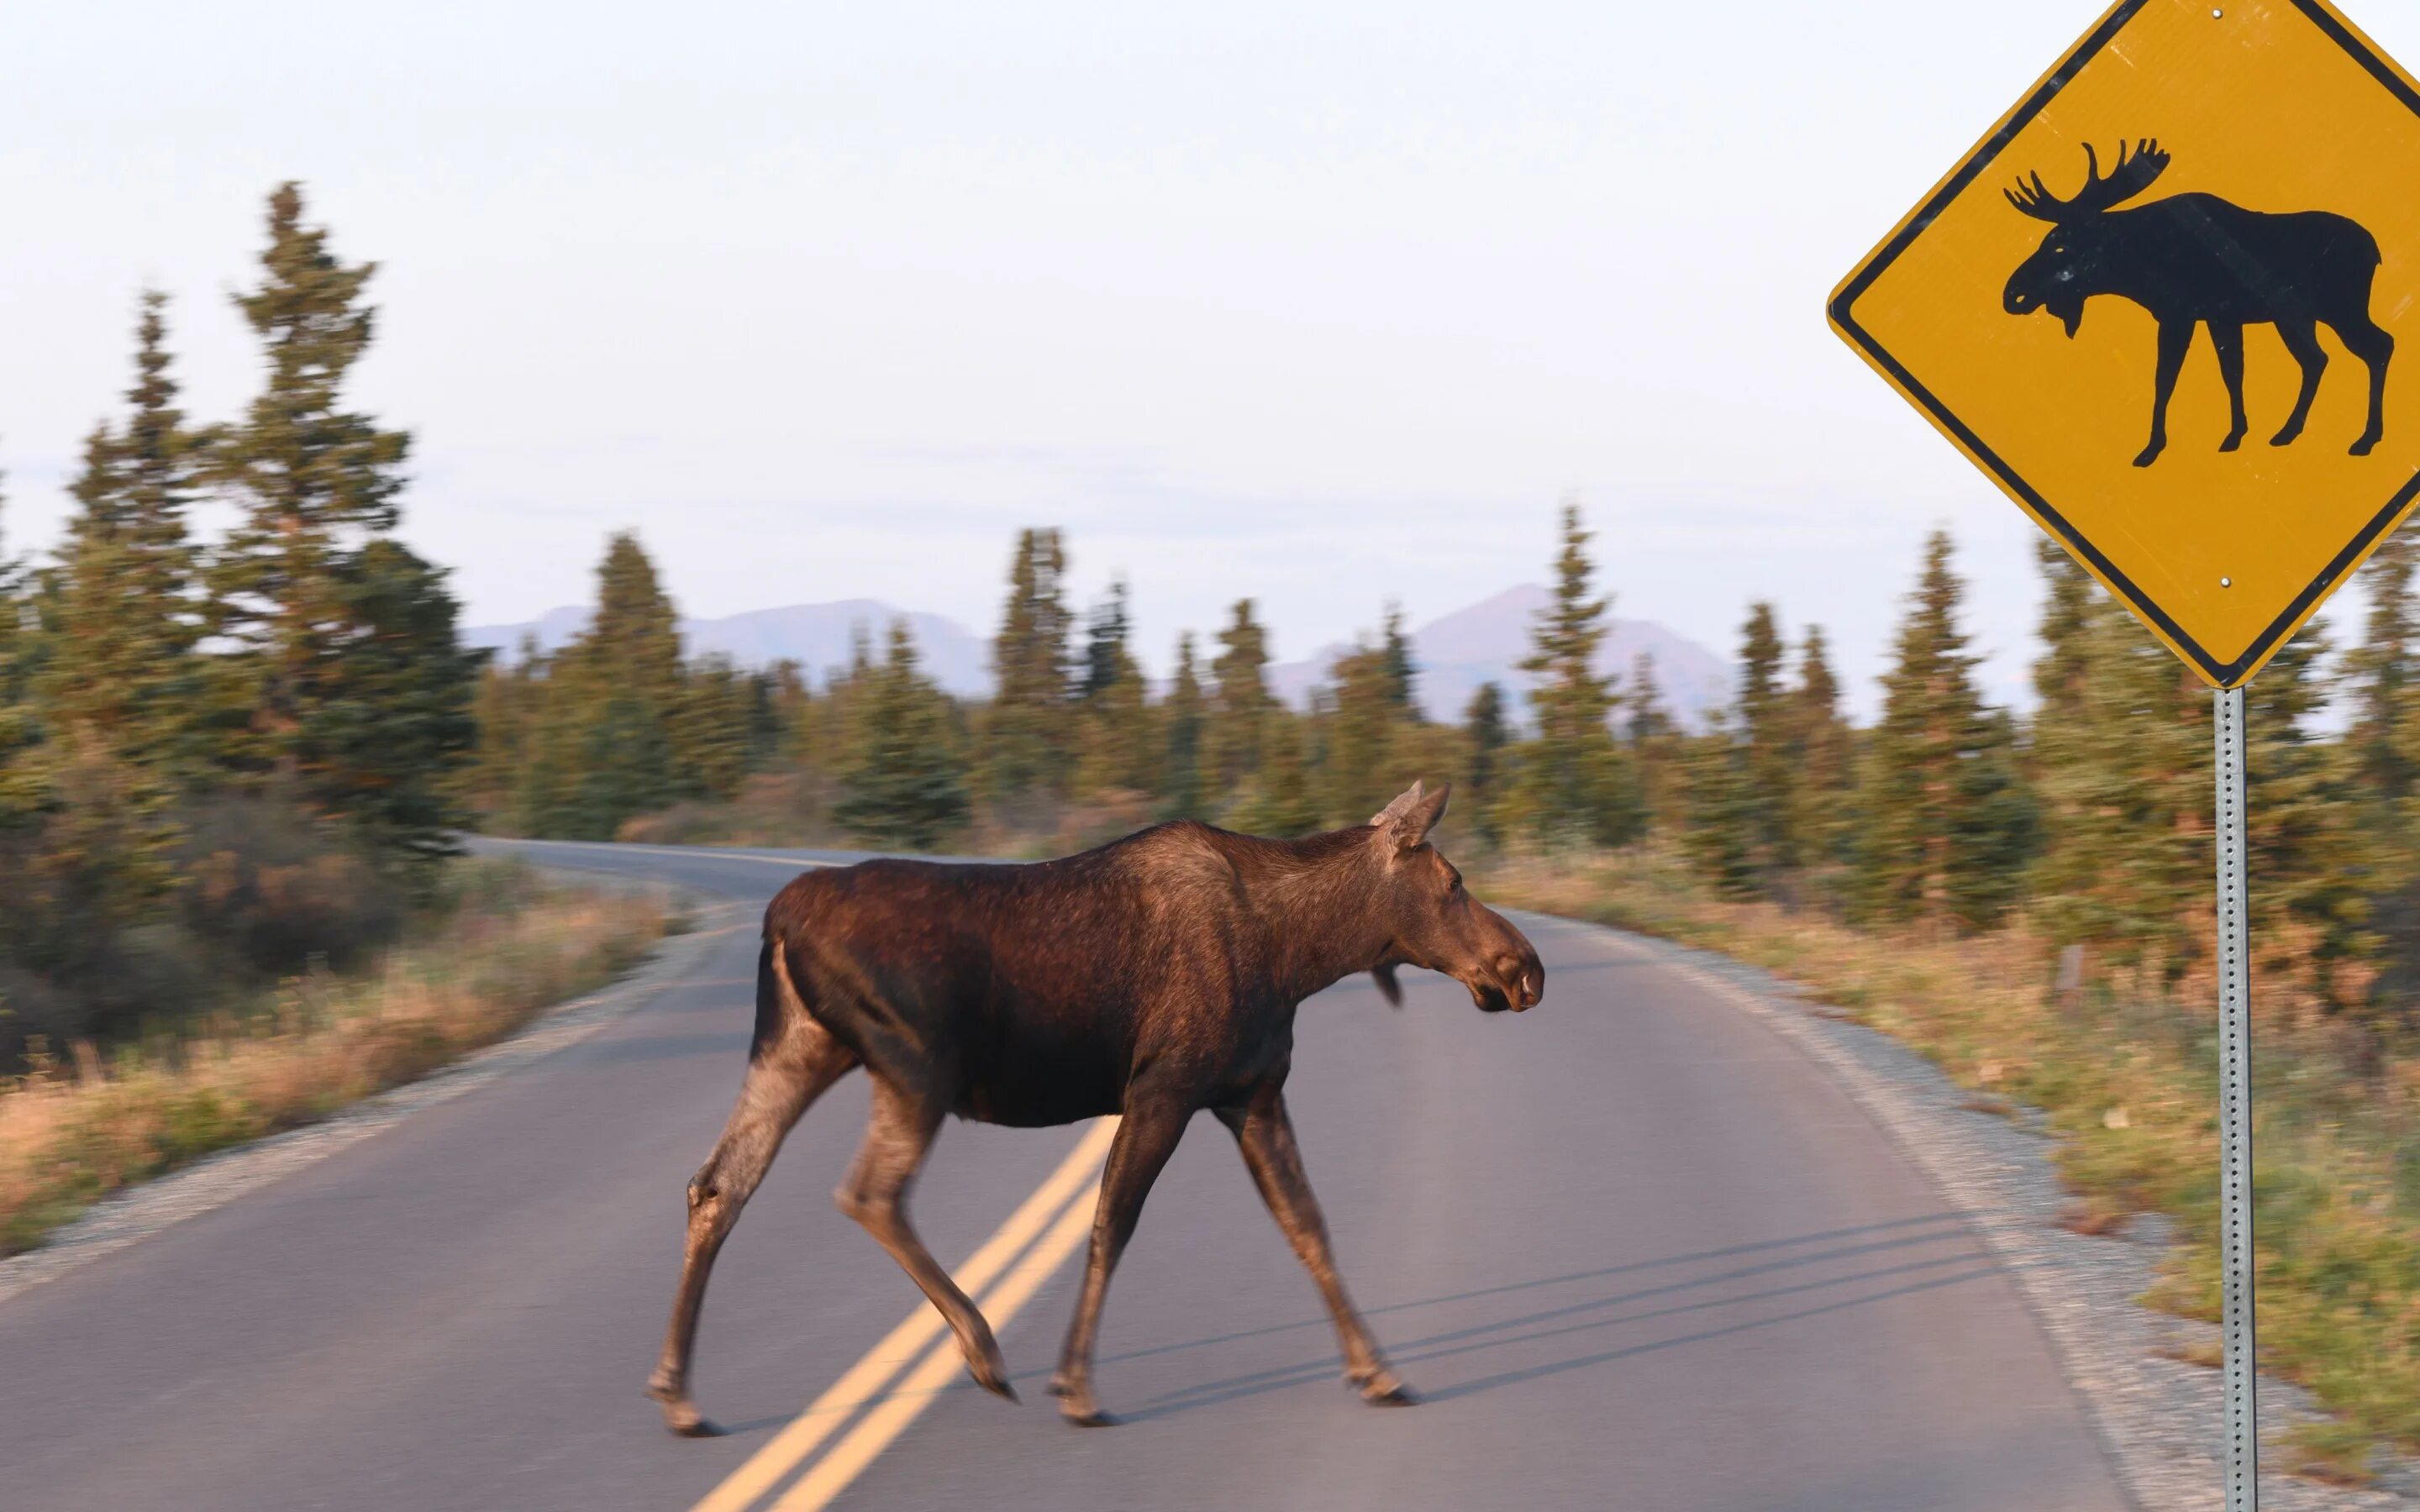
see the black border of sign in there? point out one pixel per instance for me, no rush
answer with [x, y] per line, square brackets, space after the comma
[2225, 675]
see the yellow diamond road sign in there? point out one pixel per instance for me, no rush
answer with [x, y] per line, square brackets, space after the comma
[2168, 305]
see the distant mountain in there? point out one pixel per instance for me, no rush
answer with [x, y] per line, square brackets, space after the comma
[1486, 642]
[1455, 654]
[816, 636]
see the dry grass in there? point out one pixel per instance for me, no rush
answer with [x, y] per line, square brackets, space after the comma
[506, 946]
[2127, 1078]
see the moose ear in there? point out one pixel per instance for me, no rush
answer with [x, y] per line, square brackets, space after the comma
[1412, 815]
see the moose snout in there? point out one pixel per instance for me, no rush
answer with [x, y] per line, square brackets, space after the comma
[1524, 978]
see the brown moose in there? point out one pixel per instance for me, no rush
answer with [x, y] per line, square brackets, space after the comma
[1153, 977]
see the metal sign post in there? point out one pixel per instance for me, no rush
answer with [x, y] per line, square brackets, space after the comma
[2234, 1112]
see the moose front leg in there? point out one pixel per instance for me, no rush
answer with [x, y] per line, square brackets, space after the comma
[1264, 1133]
[1147, 1135]
[2175, 336]
[898, 1132]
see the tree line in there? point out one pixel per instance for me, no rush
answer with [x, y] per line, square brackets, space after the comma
[2087, 818]
[616, 725]
[222, 758]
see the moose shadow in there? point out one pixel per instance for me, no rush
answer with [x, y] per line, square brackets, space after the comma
[1579, 1320]
[2198, 260]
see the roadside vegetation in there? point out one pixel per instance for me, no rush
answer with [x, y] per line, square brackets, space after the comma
[230, 897]
[493, 947]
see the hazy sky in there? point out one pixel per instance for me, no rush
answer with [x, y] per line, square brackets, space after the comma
[1320, 304]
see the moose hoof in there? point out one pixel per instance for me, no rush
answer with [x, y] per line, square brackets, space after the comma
[1076, 1404]
[2285, 437]
[2360, 447]
[992, 1376]
[1386, 1391]
[2149, 455]
[2231, 442]
[682, 1416]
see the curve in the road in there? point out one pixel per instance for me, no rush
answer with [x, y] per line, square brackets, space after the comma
[1635, 1249]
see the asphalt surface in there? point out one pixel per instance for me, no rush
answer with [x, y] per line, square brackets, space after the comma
[1633, 1249]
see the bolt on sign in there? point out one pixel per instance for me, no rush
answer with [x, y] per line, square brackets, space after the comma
[2161, 304]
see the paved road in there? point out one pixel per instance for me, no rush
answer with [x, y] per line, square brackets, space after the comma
[1635, 1251]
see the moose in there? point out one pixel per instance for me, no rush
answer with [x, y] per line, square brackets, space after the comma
[2195, 259]
[1152, 978]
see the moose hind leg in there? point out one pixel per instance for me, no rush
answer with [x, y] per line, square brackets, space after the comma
[781, 1083]
[2229, 340]
[2175, 338]
[1147, 1135]
[897, 1135]
[1264, 1133]
[2301, 339]
[2375, 349]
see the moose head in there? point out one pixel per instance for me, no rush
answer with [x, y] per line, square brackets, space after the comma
[2084, 254]
[1438, 925]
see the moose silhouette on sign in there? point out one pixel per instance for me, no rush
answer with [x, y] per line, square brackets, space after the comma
[2195, 259]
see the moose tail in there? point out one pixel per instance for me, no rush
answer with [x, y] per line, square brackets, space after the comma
[774, 998]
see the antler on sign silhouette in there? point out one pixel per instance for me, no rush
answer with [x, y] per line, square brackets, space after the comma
[2196, 259]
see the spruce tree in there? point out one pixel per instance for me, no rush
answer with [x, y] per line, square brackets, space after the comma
[1276, 800]
[904, 786]
[2383, 676]
[506, 708]
[307, 577]
[1826, 776]
[622, 678]
[1949, 825]
[1573, 784]
[2067, 599]
[602, 735]
[85, 847]
[713, 724]
[1105, 659]
[2318, 860]
[1403, 670]
[1118, 754]
[2125, 785]
[1721, 814]
[1181, 785]
[22, 792]
[121, 678]
[310, 475]
[394, 704]
[1485, 734]
[1652, 737]
[1028, 744]
[1768, 732]
[1359, 773]
[1240, 703]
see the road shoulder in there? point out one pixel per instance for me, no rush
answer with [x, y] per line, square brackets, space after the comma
[139, 1213]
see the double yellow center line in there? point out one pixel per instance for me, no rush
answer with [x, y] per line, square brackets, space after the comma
[923, 1341]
